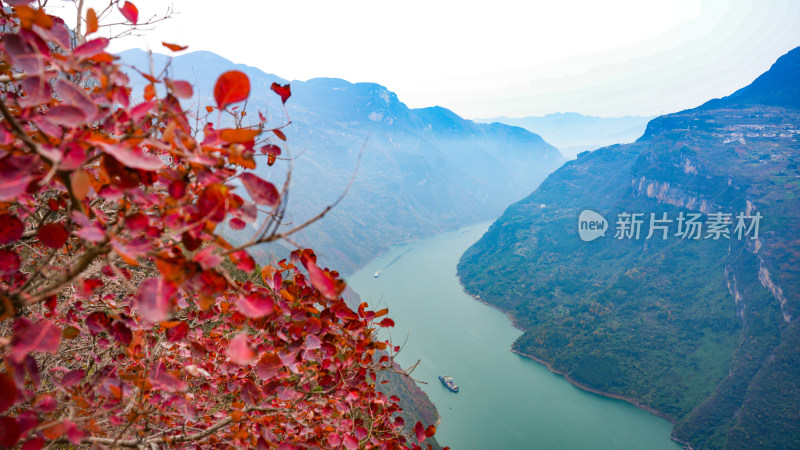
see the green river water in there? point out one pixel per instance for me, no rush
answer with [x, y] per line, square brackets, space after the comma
[505, 401]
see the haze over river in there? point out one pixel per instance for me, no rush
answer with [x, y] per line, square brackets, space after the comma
[505, 401]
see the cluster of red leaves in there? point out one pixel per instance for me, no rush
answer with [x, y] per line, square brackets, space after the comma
[119, 324]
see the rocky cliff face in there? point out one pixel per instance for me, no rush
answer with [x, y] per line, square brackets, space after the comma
[703, 330]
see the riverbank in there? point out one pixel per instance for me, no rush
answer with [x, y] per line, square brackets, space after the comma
[582, 386]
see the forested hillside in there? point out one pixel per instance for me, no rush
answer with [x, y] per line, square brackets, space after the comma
[702, 330]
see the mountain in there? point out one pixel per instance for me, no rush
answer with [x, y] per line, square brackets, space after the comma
[574, 133]
[701, 331]
[422, 171]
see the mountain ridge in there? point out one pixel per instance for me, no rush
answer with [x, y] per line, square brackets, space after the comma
[422, 170]
[573, 133]
[702, 331]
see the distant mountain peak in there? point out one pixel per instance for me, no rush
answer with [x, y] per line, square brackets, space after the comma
[779, 86]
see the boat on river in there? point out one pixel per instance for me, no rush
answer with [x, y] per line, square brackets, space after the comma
[447, 380]
[377, 274]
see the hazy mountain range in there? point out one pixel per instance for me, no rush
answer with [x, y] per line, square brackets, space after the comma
[422, 170]
[574, 133]
[702, 331]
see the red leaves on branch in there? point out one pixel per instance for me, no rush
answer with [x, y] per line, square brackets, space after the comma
[175, 47]
[9, 263]
[231, 87]
[284, 91]
[323, 280]
[40, 336]
[239, 350]
[181, 89]
[260, 191]
[255, 306]
[91, 21]
[8, 392]
[238, 135]
[130, 12]
[53, 235]
[154, 299]
[11, 228]
[92, 47]
[126, 306]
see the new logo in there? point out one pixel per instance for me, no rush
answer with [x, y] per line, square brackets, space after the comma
[591, 225]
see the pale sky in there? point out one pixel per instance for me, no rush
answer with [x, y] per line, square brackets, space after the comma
[500, 57]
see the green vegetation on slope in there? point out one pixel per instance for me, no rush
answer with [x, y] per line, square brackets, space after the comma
[703, 331]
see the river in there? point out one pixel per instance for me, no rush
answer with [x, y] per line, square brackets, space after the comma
[505, 401]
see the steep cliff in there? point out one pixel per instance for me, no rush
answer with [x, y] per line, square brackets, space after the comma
[702, 330]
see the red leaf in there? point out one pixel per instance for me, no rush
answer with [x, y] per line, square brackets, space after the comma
[430, 431]
[9, 262]
[97, 322]
[75, 96]
[37, 91]
[213, 202]
[130, 12]
[280, 134]
[387, 322]
[45, 403]
[91, 21]
[141, 110]
[284, 91]
[134, 157]
[232, 86]
[268, 366]
[178, 332]
[53, 234]
[334, 440]
[250, 393]
[239, 351]
[177, 189]
[271, 149]
[74, 434]
[322, 280]
[255, 306]
[33, 444]
[160, 377]
[260, 191]
[9, 432]
[15, 175]
[89, 286]
[238, 135]
[121, 333]
[419, 430]
[207, 258]
[175, 47]
[8, 392]
[67, 115]
[154, 299]
[41, 336]
[72, 378]
[91, 48]
[11, 228]
[243, 261]
[74, 157]
[350, 442]
[181, 89]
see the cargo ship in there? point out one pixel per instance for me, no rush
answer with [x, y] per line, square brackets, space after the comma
[447, 380]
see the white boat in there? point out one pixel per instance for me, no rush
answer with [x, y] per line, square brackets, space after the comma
[377, 274]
